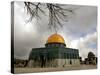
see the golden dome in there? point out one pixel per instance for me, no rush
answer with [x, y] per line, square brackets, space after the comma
[56, 38]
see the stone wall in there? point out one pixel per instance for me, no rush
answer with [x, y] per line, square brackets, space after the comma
[68, 62]
[54, 63]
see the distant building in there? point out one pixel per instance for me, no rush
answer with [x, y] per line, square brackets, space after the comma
[20, 63]
[54, 54]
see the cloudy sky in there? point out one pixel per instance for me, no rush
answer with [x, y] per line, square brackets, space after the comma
[79, 32]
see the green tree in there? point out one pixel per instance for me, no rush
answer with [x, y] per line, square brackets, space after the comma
[91, 55]
[92, 59]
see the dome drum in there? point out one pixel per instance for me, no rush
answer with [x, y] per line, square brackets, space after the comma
[55, 44]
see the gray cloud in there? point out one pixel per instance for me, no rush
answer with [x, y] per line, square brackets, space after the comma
[34, 35]
[83, 44]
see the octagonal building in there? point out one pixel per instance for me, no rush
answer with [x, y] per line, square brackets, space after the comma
[54, 54]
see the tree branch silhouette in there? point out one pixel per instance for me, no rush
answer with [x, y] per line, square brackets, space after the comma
[56, 13]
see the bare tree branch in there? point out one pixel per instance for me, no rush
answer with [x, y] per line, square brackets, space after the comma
[56, 13]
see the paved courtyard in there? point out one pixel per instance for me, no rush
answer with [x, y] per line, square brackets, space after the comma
[32, 70]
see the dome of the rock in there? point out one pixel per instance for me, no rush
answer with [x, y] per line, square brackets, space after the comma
[55, 38]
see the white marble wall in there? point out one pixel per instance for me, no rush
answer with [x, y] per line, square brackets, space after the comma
[30, 63]
[66, 62]
[55, 63]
